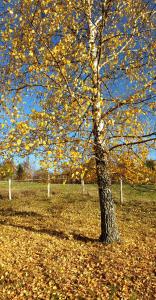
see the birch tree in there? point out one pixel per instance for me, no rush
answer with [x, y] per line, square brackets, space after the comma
[86, 70]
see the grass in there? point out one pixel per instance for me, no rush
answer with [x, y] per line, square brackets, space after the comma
[50, 250]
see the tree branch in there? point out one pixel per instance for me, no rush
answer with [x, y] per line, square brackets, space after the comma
[132, 143]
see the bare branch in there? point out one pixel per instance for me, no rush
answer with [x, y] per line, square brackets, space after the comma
[132, 143]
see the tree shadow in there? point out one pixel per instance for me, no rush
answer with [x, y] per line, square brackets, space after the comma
[9, 212]
[82, 238]
[51, 232]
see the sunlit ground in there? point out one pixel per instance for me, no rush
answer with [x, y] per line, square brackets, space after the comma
[49, 248]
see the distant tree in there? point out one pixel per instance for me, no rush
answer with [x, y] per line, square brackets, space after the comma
[7, 169]
[20, 173]
[151, 164]
[40, 175]
[28, 169]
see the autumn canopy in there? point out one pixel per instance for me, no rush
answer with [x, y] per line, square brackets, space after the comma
[77, 81]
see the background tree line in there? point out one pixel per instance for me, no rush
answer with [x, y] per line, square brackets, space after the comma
[21, 171]
[130, 172]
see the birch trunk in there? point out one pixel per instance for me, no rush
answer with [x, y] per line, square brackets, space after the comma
[10, 196]
[48, 186]
[121, 192]
[82, 185]
[109, 232]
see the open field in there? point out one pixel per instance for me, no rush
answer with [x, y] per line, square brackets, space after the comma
[49, 248]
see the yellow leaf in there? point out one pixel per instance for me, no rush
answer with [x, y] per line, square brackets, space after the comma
[49, 152]
[18, 142]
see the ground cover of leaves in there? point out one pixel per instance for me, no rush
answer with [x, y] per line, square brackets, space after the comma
[49, 248]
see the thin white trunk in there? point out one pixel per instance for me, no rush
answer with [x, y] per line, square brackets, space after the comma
[9, 188]
[83, 185]
[121, 191]
[48, 187]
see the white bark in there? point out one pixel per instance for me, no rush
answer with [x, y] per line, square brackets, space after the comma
[83, 185]
[48, 187]
[121, 191]
[10, 189]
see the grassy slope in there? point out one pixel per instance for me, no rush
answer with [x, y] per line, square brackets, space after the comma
[49, 248]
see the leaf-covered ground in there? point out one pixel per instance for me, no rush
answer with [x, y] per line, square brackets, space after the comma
[49, 249]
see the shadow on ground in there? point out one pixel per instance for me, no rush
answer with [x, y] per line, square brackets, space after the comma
[10, 212]
[51, 232]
